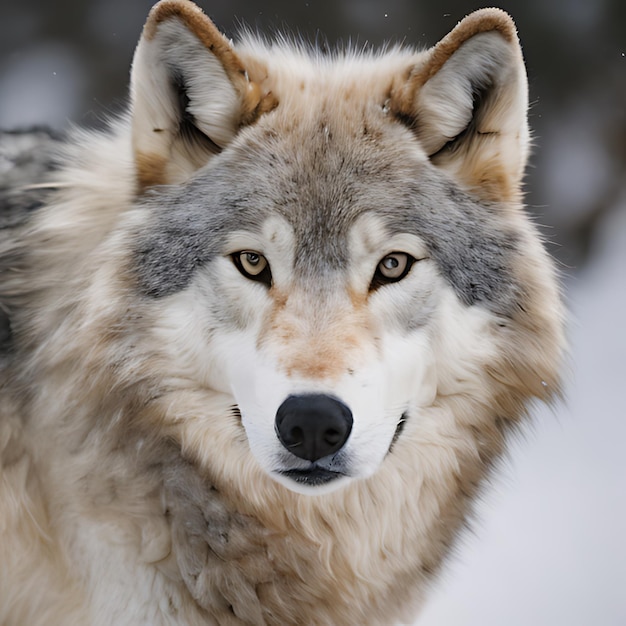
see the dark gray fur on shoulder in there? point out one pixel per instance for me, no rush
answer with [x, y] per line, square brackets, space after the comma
[26, 158]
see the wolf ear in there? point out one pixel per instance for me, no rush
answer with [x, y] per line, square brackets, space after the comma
[190, 93]
[467, 103]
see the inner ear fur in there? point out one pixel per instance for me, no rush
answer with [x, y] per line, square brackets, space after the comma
[190, 94]
[467, 103]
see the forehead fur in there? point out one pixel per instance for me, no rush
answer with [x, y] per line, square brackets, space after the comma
[301, 76]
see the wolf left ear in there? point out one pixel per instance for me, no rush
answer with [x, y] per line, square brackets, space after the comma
[467, 104]
[190, 93]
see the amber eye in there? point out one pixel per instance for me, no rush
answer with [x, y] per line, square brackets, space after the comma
[253, 265]
[392, 268]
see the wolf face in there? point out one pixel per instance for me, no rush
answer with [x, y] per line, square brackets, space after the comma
[338, 229]
[318, 305]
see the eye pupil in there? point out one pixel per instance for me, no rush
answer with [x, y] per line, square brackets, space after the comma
[252, 258]
[391, 262]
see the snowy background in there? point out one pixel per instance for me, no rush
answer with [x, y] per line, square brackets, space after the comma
[549, 549]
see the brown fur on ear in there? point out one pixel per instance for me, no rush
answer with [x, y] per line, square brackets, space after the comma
[253, 101]
[467, 101]
[481, 21]
[221, 99]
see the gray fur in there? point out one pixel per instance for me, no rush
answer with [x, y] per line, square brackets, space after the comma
[188, 228]
[468, 238]
[207, 534]
[26, 158]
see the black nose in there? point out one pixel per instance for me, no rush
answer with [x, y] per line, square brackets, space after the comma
[313, 426]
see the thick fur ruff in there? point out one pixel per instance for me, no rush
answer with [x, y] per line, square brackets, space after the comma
[146, 353]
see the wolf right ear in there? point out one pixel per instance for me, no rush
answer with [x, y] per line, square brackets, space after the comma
[190, 94]
[467, 104]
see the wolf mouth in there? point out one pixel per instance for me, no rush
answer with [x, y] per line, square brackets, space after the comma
[313, 477]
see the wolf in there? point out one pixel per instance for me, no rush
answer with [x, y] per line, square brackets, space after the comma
[265, 336]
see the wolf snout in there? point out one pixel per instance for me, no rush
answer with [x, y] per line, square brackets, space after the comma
[313, 426]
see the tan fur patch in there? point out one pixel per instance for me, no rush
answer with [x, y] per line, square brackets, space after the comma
[151, 170]
[316, 352]
[481, 170]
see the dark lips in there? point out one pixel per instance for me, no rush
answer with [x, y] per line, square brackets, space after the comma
[313, 477]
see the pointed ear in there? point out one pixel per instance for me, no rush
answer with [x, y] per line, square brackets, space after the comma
[467, 103]
[190, 93]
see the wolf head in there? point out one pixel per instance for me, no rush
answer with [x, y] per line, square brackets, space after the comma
[335, 243]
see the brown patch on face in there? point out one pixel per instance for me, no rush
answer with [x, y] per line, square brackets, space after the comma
[358, 298]
[314, 345]
[322, 357]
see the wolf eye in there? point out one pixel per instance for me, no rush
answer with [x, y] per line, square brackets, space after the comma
[392, 268]
[253, 265]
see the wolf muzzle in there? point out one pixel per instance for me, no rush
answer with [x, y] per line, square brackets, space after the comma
[313, 426]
